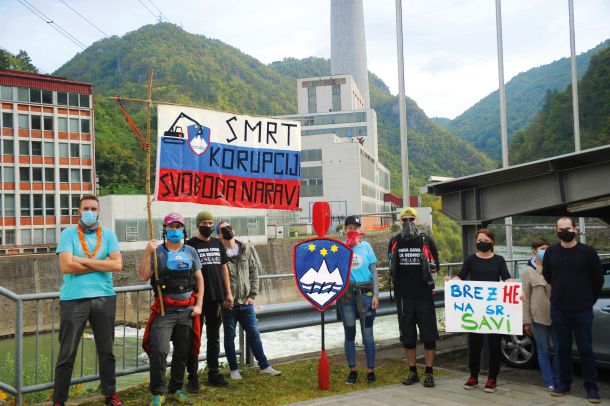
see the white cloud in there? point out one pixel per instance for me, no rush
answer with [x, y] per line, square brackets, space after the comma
[450, 45]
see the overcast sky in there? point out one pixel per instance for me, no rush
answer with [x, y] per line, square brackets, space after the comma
[450, 45]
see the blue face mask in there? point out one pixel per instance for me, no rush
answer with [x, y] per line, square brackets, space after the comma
[88, 218]
[175, 235]
[540, 254]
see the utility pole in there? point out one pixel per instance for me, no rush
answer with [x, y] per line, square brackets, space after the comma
[402, 107]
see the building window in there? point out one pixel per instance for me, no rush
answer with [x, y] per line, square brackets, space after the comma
[85, 125]
[336, 89]
[86, 150]
[47, 96]
[38, 234]
[311, 181]
[75, 201]
[35, 96]
[64, 150]
[8, 147]
[64, 204]
[24, 121]
[24, 174]
[26, 208]
[86, 175]
[9, 237]
[36, 148]
[62, 124]
[24, 148]
[23, 94]
[7, 120]
[37, 205]
[74, 150]
[50, 236]
[49, 202]
[312, 105]
[62, 98]
[74, 125]
[75, 175]
[73, 99]
[64, 175]
[49, 149]
[311, 155]
[48, 123]
[9, 205]
[36, 122]
[36, 174]
[6, 93]
[49, 175]
[84, 100]
[26, 237]
[8, 174]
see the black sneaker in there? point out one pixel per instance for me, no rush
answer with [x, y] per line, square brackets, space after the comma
[411, 378]
[217, 380]
[352, 378]
[192, 386]
[428, 381]
[370, 377]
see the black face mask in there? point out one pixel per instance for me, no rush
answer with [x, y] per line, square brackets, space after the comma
[227, 233]
[484, 246]
[408, 231]
[206, 231]
[566, 236]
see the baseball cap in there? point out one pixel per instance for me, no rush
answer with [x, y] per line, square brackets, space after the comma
[222, 224]
[173, 218]
[408, 212]
[353, 220]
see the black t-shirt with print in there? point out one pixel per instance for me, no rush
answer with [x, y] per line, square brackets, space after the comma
[212, 255]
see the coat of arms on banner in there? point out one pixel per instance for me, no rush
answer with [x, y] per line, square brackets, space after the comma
[321, 270]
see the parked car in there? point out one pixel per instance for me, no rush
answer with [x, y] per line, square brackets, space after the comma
[520, 351]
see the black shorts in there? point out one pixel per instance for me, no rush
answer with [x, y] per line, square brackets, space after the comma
[413, 314]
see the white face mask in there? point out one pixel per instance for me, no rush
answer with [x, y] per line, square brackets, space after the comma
[88, 218]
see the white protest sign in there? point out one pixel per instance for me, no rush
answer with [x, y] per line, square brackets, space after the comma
[483, 307]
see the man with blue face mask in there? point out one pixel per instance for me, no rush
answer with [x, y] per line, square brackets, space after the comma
[179, 273]
[88, 256]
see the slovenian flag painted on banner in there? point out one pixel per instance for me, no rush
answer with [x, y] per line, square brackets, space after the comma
[213, 157]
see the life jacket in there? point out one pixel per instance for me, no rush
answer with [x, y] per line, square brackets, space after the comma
[177, 276]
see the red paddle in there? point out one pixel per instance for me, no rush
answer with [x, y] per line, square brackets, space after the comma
[321, 222]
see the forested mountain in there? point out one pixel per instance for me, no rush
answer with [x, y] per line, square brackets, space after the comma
[525, 96]
[193, 69]
[552, 131]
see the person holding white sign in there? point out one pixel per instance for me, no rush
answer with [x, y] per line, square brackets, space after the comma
[484, 265]
[537, 313]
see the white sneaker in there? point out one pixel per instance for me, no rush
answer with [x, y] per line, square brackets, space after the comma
[270, 371]
[235, 374]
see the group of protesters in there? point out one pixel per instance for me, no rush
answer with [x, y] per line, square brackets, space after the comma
[214, 281]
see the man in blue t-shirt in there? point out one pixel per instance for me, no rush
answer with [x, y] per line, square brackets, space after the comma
[88, 256]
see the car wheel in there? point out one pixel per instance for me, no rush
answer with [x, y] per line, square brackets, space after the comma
[519, 351]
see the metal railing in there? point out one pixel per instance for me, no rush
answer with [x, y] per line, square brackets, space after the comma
[271, 318]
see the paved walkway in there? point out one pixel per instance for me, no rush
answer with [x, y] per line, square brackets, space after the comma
[448, 392]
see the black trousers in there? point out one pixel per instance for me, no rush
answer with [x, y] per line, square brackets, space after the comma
[177, 327]
[100, 312]
[212, 315]
[475, 345]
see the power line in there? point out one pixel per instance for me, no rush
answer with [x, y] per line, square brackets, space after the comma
[163, 16]
[51, 23]
[85, 18]
[149, 10]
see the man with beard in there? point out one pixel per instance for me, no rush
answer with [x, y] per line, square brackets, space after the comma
[575, 274]
[411, 255]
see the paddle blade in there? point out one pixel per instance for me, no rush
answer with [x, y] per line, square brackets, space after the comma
[323, 372]
[321, 217]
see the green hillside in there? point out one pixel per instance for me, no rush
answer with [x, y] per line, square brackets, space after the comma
[525, 96]
[552, 132]
[193, 69]
[20, 62]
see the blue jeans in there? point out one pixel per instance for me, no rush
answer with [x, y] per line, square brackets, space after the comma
[348, 310]
[247, 318]
[566, 323]
[549, 365]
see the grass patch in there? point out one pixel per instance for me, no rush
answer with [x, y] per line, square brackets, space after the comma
[298, 382]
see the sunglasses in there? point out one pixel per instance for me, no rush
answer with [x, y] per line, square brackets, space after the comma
[408, 219]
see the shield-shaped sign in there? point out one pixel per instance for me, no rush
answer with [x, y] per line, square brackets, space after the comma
[321, 270]
[199, 138]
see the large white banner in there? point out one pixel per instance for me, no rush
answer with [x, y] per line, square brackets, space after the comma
[483, 307]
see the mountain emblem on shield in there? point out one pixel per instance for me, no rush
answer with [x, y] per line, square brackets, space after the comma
[199, 138]
[321, 270]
